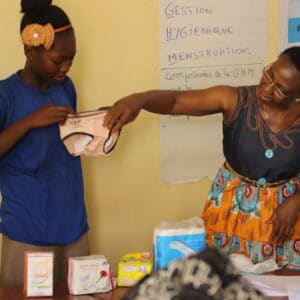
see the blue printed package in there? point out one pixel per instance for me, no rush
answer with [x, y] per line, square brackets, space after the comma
[176, 240]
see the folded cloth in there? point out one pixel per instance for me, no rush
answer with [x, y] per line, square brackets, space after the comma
[206, 275]
[244, 265]
[83, 133]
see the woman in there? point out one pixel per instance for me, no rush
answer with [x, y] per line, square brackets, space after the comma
[254, 201]
[41, 184]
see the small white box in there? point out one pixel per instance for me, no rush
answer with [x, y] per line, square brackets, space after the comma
[38, 273]
[89, 274]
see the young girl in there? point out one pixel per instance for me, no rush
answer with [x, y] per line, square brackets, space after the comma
[41, 184]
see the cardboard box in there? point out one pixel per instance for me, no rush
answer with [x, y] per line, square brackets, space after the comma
[38, 273]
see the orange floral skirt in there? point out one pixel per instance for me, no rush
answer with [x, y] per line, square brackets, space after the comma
[235, 218]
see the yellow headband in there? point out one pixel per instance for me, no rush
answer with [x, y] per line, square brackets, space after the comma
[37, 35]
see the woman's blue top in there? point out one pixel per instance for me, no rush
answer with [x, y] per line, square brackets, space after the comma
[41, 184]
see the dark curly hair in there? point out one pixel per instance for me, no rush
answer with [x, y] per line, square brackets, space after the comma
[294, 55]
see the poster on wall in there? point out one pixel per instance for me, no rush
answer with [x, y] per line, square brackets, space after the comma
[205, 43]
[289, 24]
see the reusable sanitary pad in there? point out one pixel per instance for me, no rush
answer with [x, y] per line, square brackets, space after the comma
[84, 133]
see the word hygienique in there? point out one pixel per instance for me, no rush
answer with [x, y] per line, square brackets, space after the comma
[173, 33]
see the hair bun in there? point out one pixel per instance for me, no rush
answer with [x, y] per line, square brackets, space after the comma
[34, 6]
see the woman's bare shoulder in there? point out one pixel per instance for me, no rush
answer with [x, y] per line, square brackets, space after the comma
[229, 96]
[226, 92]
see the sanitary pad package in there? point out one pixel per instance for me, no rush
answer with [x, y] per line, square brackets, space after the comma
[176, 240]
[38, 273]
[89, 274]
[133, 267]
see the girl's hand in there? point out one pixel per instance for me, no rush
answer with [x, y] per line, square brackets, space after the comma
[48, 115]
[284, 219]
[122, 112]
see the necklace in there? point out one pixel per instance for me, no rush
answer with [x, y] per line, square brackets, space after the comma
[269, 153]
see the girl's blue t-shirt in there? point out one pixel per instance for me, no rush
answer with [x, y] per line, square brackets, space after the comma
[41, 184]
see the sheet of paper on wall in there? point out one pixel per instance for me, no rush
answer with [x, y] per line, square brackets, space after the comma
[289, 24]
[205, 43]
[276, 285]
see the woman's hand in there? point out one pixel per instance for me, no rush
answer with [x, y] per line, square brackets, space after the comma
[48, 115]
[284, 219]
[122, 112]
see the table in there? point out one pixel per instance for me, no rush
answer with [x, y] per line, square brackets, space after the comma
[61, 291]
[284, 272]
